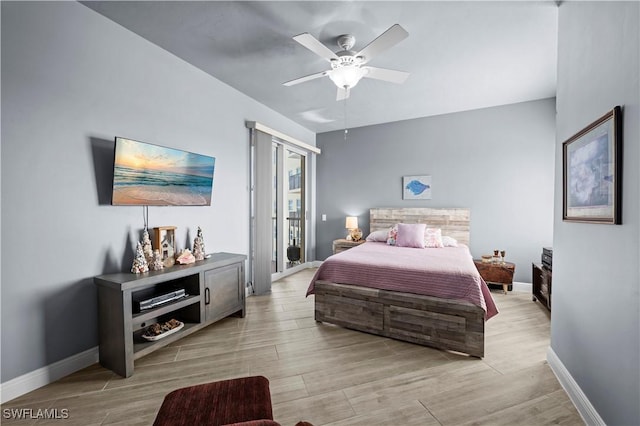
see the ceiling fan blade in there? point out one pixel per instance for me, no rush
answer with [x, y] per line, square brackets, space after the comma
[305, 78]
[314, 45]
[392, 36]
[386, 74]
[343, 93]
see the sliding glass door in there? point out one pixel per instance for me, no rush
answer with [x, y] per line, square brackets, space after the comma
[280, 184]
[294, 221]
[288, 208]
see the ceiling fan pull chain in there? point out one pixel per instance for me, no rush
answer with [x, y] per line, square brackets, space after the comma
[345, 116]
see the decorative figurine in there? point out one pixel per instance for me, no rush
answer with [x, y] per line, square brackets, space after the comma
[185, 257]
[156, 263]
[168, 252]
[146, 246]
[198, 246]
[164, 239]
[140, 264]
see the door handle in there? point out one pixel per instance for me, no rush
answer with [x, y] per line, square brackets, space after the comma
[207, 296]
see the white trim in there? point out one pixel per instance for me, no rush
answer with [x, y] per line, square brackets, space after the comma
[280, 135]
[588, 413]
[290, 271]
[48, 374]
[522, 287]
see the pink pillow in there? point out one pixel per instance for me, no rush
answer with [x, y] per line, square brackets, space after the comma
[411, 235]
[433, 238]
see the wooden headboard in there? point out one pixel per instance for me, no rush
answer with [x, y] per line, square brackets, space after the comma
[453, 222]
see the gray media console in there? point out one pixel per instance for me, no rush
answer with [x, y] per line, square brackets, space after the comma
[214, 289]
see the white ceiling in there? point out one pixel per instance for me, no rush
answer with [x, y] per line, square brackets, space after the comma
[461, 55]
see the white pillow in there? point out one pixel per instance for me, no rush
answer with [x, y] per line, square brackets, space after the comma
[449, 241]
[433, 238]
[378, 236]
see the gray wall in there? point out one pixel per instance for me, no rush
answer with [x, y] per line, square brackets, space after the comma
[595, 323]
[71, 81]
[497, 161]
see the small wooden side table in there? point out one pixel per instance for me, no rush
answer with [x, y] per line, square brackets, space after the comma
[496, 273]
[344, 244]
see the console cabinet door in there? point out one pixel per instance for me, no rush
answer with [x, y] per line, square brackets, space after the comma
[541, 285]
[224, 292]
[545, 288]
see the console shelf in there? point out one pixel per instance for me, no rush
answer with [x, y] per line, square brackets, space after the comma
[166, 308]
[142, 347]
[215, 288]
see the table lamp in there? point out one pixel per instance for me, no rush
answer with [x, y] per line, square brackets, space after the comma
[355, 234]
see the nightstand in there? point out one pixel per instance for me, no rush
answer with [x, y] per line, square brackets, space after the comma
[496, 273]
[343, 244]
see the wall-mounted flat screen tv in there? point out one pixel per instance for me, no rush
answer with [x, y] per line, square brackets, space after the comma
[152, 175]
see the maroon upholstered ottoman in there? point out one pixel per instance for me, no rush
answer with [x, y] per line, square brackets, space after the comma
[246, 399]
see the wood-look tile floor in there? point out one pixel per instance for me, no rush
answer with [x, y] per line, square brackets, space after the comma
[328, 375]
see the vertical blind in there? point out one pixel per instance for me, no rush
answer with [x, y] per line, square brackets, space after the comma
[261, 204]
[261, 235]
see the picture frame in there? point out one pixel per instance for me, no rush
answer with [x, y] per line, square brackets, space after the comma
[592, 172]
[145, 174]
[164, 240]
[416, 187]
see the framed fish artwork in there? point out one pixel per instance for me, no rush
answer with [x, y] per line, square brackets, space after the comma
[416, 187]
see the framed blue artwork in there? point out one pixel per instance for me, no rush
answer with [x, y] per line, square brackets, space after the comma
[592, 172]
[416, 187]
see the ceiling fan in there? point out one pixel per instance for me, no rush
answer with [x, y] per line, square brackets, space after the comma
[347, 66]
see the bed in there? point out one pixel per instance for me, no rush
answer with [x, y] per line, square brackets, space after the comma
[433, 297]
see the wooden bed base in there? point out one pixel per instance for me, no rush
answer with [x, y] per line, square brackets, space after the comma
[429, 321]
[442, 323]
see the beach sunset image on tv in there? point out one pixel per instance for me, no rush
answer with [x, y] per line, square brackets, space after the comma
[152, 175]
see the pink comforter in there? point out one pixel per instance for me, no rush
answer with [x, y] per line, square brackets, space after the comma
[447, 272]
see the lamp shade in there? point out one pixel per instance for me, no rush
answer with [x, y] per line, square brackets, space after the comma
[351, 222]
[346, 76]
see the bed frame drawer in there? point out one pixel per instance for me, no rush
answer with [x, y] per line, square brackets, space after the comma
[445, 324]
[356, 311]
[444, 331]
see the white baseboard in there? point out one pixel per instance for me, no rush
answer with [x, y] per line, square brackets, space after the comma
[518, 287]
[290, 271]
[522, 287]
[588, 413]
[48, 374]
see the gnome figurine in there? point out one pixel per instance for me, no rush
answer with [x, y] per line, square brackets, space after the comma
[198, 246]
[140, 264]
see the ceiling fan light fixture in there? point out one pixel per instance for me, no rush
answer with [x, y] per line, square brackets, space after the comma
[346, 76]
[347, 66]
